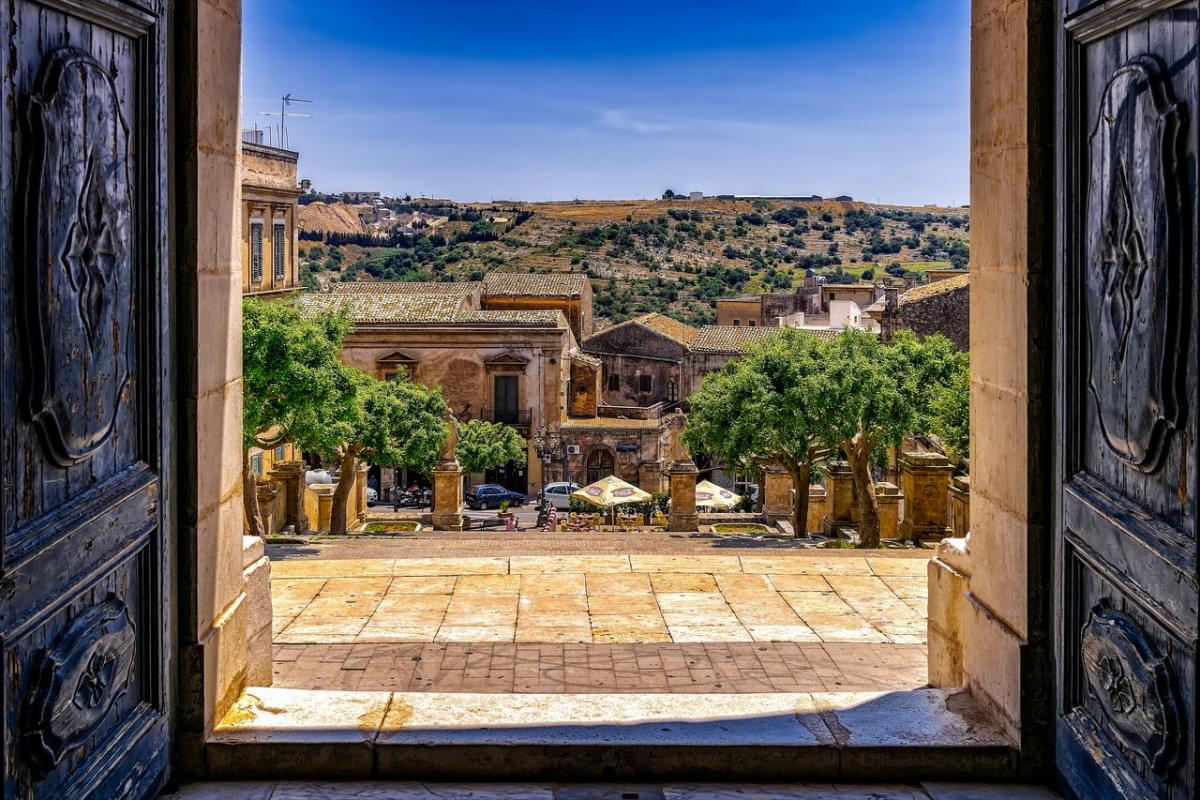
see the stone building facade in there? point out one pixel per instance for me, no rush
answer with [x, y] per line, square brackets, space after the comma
[270, 195]
[643, 360]
[568, 292]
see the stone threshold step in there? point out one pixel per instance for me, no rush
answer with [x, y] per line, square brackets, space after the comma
[302, 790]
[927, 734]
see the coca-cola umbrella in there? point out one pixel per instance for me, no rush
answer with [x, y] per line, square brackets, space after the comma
[610, 492]
[713, 496]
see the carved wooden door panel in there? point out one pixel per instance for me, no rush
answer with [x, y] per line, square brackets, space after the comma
[1126, 621]
[84, 500]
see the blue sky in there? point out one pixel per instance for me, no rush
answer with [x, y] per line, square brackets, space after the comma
[617, 99]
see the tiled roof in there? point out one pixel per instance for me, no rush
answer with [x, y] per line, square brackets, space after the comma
[584, 358]
[735, 338]
[729, 338]
[552, 284]
[457, 289]
[381, 307]
[673, 329]
[536, 319]
[935, 288]
[611, 423]
[385, 306]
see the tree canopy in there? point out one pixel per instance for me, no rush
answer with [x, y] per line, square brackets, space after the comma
[873, 395]
[761, 409]
[484, 445]
[387, 422]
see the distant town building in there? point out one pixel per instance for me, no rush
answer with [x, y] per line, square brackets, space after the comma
[695, 195]
[270, 193]
[361, 197]
[942, 306]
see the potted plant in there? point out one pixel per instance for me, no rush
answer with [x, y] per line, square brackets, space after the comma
[504, 513]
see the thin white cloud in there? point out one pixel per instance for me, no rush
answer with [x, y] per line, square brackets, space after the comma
[624, 121]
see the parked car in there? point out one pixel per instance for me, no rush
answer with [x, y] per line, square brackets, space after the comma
[491, 495]
[558, 494]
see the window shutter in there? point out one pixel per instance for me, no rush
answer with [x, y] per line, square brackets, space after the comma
[279, 250]
[256, 254]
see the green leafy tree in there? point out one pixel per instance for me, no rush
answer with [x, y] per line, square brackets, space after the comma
[484, 445]
[873, 395]
[395, 421]
[289, 365]
[950, 409]
[762, 409]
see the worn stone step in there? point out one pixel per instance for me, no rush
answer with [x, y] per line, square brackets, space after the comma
[928, 734]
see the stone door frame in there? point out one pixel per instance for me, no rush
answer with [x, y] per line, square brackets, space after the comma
[996, 619]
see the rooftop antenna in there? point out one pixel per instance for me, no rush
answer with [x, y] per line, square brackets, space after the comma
[284, 113]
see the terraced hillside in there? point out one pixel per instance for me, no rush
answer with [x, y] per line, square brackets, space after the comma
[672, 256]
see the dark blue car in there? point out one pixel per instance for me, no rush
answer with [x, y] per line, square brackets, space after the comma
[491, 495]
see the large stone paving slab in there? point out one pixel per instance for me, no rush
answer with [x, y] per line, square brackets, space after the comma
[603, 599]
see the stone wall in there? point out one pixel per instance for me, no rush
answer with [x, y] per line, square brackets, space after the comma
[933, 309]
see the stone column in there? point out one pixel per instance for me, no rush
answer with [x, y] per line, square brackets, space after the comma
[960, 505]
[324, 494]
[777, 494]
[683, 515]
[448, 486]
[360, 493]
[925, 479]
[839, 492]
[290, 476]
[267, 492]
[816, 507]
[888, 497]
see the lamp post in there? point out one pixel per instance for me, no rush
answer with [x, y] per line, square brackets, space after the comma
[547, 443]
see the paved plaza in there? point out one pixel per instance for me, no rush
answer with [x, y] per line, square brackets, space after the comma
[745, 621]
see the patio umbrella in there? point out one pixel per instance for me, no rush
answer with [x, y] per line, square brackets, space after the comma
[709, 494]
[610, 492]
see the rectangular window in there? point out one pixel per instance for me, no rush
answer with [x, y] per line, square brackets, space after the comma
[279, 250]
[645, 382]
[280, 452]
[737, 322]
[614, 383]
[256, 463]
[672, 389]
[750, 322]
[256, 254]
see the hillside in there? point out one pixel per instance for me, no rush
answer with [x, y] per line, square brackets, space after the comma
[674, 256]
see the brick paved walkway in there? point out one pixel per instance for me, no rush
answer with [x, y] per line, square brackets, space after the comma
[726, 667]
[746, 621]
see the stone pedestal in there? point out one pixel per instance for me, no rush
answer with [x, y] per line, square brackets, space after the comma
[267, 493]
[323, 492]
[447, 496]
[817, 502]
[290, 476]
[777, 494]
[888, 497]
[683, 515]
[960, 505]
[839, 498]
[360, 493]
[925, 480]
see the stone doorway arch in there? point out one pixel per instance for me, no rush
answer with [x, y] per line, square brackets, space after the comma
[600, 464]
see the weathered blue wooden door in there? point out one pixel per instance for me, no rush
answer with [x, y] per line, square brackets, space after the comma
[84, 398]
[1126, 621]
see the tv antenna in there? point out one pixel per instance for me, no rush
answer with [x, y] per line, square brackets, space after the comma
[284, 103]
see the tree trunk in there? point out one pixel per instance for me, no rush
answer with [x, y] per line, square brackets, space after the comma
[341, 494]
[864, 491]
[254, 524]
[801, 476]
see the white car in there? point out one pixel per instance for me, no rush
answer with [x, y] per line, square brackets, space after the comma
[559, 494]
